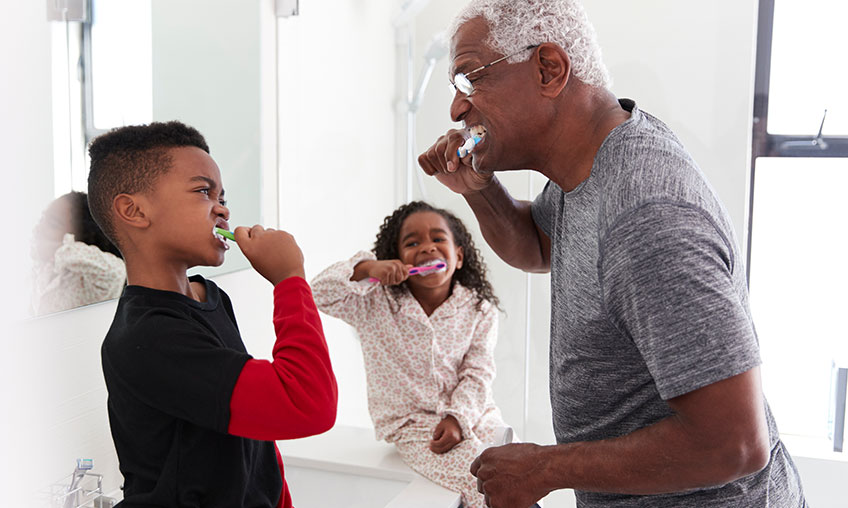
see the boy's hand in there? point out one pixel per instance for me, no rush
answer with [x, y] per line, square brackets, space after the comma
[388, 271]
[446, 435]
[273, 253]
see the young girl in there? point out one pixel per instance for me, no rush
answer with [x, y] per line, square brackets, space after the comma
[428, 341]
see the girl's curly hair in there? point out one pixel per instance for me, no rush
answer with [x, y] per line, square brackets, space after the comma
[472, 275]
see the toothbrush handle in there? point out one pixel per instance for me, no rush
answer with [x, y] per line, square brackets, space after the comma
[466, 148]
[419, 269]
[414, 271]
[225, 233]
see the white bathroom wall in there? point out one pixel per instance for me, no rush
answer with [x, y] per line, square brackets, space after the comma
[26, 174]
[26, 138]
[691, 64]
[336, 150]
[823, 480]
[57, 402]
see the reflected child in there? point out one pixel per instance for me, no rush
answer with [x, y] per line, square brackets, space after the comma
[74, 263]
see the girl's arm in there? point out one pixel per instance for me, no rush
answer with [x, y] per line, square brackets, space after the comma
[474, 390]
[339, 296]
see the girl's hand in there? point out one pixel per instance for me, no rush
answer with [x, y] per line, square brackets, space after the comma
[446, 435]
[388, 271]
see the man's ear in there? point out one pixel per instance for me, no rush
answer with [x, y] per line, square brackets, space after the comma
[129, 210]
[554, 68]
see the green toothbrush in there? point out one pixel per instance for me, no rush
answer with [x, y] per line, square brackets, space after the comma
[225, 233]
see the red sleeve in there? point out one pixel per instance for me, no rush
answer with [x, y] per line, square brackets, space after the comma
[295, 395]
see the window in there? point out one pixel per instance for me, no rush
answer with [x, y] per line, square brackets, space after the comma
[102, 78]
[118, 62]
[797, 242]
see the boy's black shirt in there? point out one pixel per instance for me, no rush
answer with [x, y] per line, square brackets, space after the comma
[170, 365]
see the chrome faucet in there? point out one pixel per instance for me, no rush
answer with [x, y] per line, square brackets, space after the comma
[72, 497]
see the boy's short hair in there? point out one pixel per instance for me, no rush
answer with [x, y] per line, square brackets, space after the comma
[128, 160]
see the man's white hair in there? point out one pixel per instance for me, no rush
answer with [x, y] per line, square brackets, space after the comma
[516, 24]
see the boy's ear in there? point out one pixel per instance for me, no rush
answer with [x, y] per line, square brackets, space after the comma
[460, 254]
[129, 210]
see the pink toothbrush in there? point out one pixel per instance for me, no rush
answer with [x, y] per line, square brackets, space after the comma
[415, 270]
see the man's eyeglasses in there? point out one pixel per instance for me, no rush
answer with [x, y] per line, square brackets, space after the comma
[463, 84]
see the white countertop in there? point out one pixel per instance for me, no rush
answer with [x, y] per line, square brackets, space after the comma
[355, 451]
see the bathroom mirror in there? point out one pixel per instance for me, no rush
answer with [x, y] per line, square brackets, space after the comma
[202, 64]
[206, 73]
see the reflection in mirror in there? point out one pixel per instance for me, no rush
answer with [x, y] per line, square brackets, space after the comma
[73, 262]
[161, 60]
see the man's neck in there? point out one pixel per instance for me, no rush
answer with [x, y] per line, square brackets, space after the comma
[583, 123]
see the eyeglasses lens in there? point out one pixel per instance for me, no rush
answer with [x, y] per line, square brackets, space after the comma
[463, 84]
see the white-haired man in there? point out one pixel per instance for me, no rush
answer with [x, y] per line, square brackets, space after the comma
[654, 362]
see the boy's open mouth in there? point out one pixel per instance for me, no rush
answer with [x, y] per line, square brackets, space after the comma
[221, 238]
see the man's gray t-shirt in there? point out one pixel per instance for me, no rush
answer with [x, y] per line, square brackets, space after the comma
[648, 302]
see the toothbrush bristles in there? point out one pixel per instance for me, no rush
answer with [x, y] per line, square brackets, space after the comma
[426, 268]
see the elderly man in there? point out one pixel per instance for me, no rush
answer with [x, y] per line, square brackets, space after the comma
[654, 361]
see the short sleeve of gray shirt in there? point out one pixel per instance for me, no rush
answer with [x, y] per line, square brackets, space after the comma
[666, 276]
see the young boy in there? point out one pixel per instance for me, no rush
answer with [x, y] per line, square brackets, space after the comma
[193, 416]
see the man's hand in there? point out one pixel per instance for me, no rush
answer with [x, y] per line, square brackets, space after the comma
[456, 174]
[510, 476]
[446, 435]
[272, 253]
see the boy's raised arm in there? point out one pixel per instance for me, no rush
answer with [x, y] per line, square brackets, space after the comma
[295, 395]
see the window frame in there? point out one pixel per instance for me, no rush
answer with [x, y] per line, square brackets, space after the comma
[769, 145]
[89, 130]
[765, 144]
